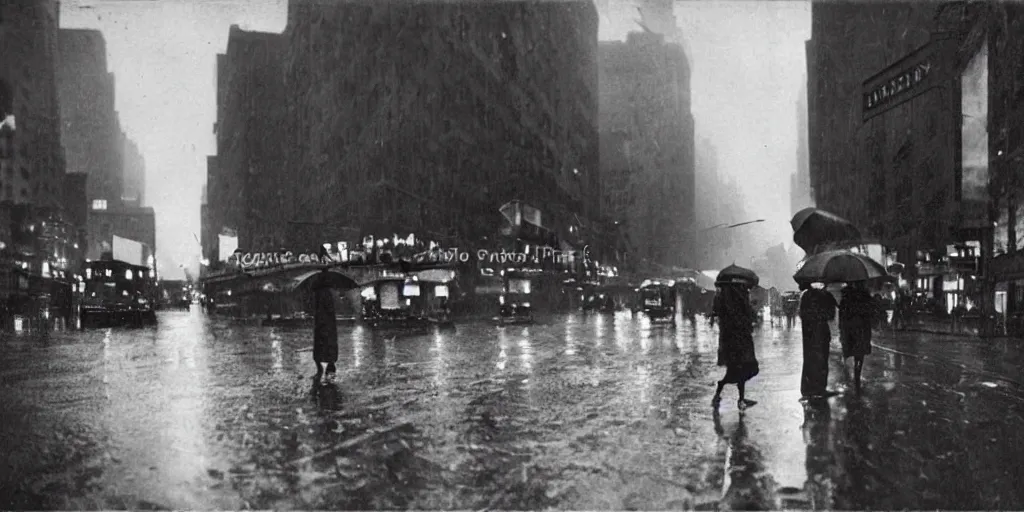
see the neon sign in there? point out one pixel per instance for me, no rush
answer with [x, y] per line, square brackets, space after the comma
[267, 259]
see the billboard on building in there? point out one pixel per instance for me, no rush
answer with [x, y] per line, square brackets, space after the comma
[226, 245]
[128, 251]
[974, 140]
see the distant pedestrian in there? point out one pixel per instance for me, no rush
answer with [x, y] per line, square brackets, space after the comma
[857, 310]
[735, 340]
[325, 327]
[817, 309]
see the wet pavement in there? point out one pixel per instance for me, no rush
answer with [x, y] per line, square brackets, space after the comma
[575, 412]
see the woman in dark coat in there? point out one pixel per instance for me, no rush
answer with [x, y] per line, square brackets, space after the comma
[325, 327]
[735, 340]
[857, 312]
[817, 309]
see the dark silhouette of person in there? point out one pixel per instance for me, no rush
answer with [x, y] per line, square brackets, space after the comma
[735, 340]
[325, 326]
[857, 311]
[817, 309]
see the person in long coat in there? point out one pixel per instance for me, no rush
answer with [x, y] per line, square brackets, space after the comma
[817, 309]
[857, 312]
[735, 340]
[325, 326]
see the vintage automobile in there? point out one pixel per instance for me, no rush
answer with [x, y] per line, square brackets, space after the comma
[514, 302]
[657, 300]
[117, 293]
[596, 301]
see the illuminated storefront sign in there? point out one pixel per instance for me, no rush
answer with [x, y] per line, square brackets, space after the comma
[267, 259]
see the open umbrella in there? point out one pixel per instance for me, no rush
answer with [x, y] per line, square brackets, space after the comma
[839, 266]
[734, 274]
[813, 228]
[320, 278]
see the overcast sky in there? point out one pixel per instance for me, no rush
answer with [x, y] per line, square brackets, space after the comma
[747, 59]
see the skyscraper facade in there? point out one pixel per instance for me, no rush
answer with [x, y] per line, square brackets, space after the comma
[647, 147]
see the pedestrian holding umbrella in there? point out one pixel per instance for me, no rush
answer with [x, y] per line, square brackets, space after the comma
[857, 312]
[817, 309]
[735, 335]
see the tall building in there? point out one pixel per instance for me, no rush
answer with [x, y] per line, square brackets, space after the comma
[247, 186]
[647, 147]
[134, 174]
[31, 159]
[426, 118]
[36, 242]
[91, 131]
[902, 142]
[800, 182]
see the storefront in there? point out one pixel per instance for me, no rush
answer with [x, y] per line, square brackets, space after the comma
[925, 124]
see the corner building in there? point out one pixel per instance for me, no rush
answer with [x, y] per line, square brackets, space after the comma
[426, 118]
[647, 148]
[899, 96]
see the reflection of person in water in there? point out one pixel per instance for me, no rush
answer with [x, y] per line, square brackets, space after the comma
[326, 397]
[820, 455]
[749, 488]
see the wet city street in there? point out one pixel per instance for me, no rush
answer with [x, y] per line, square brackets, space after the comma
[574, 412]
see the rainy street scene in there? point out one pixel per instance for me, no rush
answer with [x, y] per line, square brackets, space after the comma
[511, 255]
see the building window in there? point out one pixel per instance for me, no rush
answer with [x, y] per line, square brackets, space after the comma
[99, 204]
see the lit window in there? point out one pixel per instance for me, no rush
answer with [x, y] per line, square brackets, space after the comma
[128, 274]
[99, 204]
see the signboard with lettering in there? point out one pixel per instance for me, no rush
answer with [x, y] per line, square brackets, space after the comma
[250, 260]
[911, 76]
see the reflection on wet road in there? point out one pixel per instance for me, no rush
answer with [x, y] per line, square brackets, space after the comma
[577, 411]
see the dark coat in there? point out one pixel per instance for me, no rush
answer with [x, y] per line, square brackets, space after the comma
[857, 313]
[735, 334]
[817, 306]
[325, 324]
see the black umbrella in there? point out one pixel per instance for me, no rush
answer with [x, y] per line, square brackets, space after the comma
[734, 274]
[839, 266]
[813, 228]
[323, 279]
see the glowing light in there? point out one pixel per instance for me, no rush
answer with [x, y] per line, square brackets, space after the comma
[128, 274]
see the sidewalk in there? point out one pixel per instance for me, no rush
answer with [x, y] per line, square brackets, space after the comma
[929, 410]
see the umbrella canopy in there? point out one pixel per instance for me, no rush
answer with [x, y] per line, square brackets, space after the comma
[813, 228]
[323, 279]
[734, 274]
[839, 266]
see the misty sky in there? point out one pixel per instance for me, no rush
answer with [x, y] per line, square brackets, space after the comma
[747, 59]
